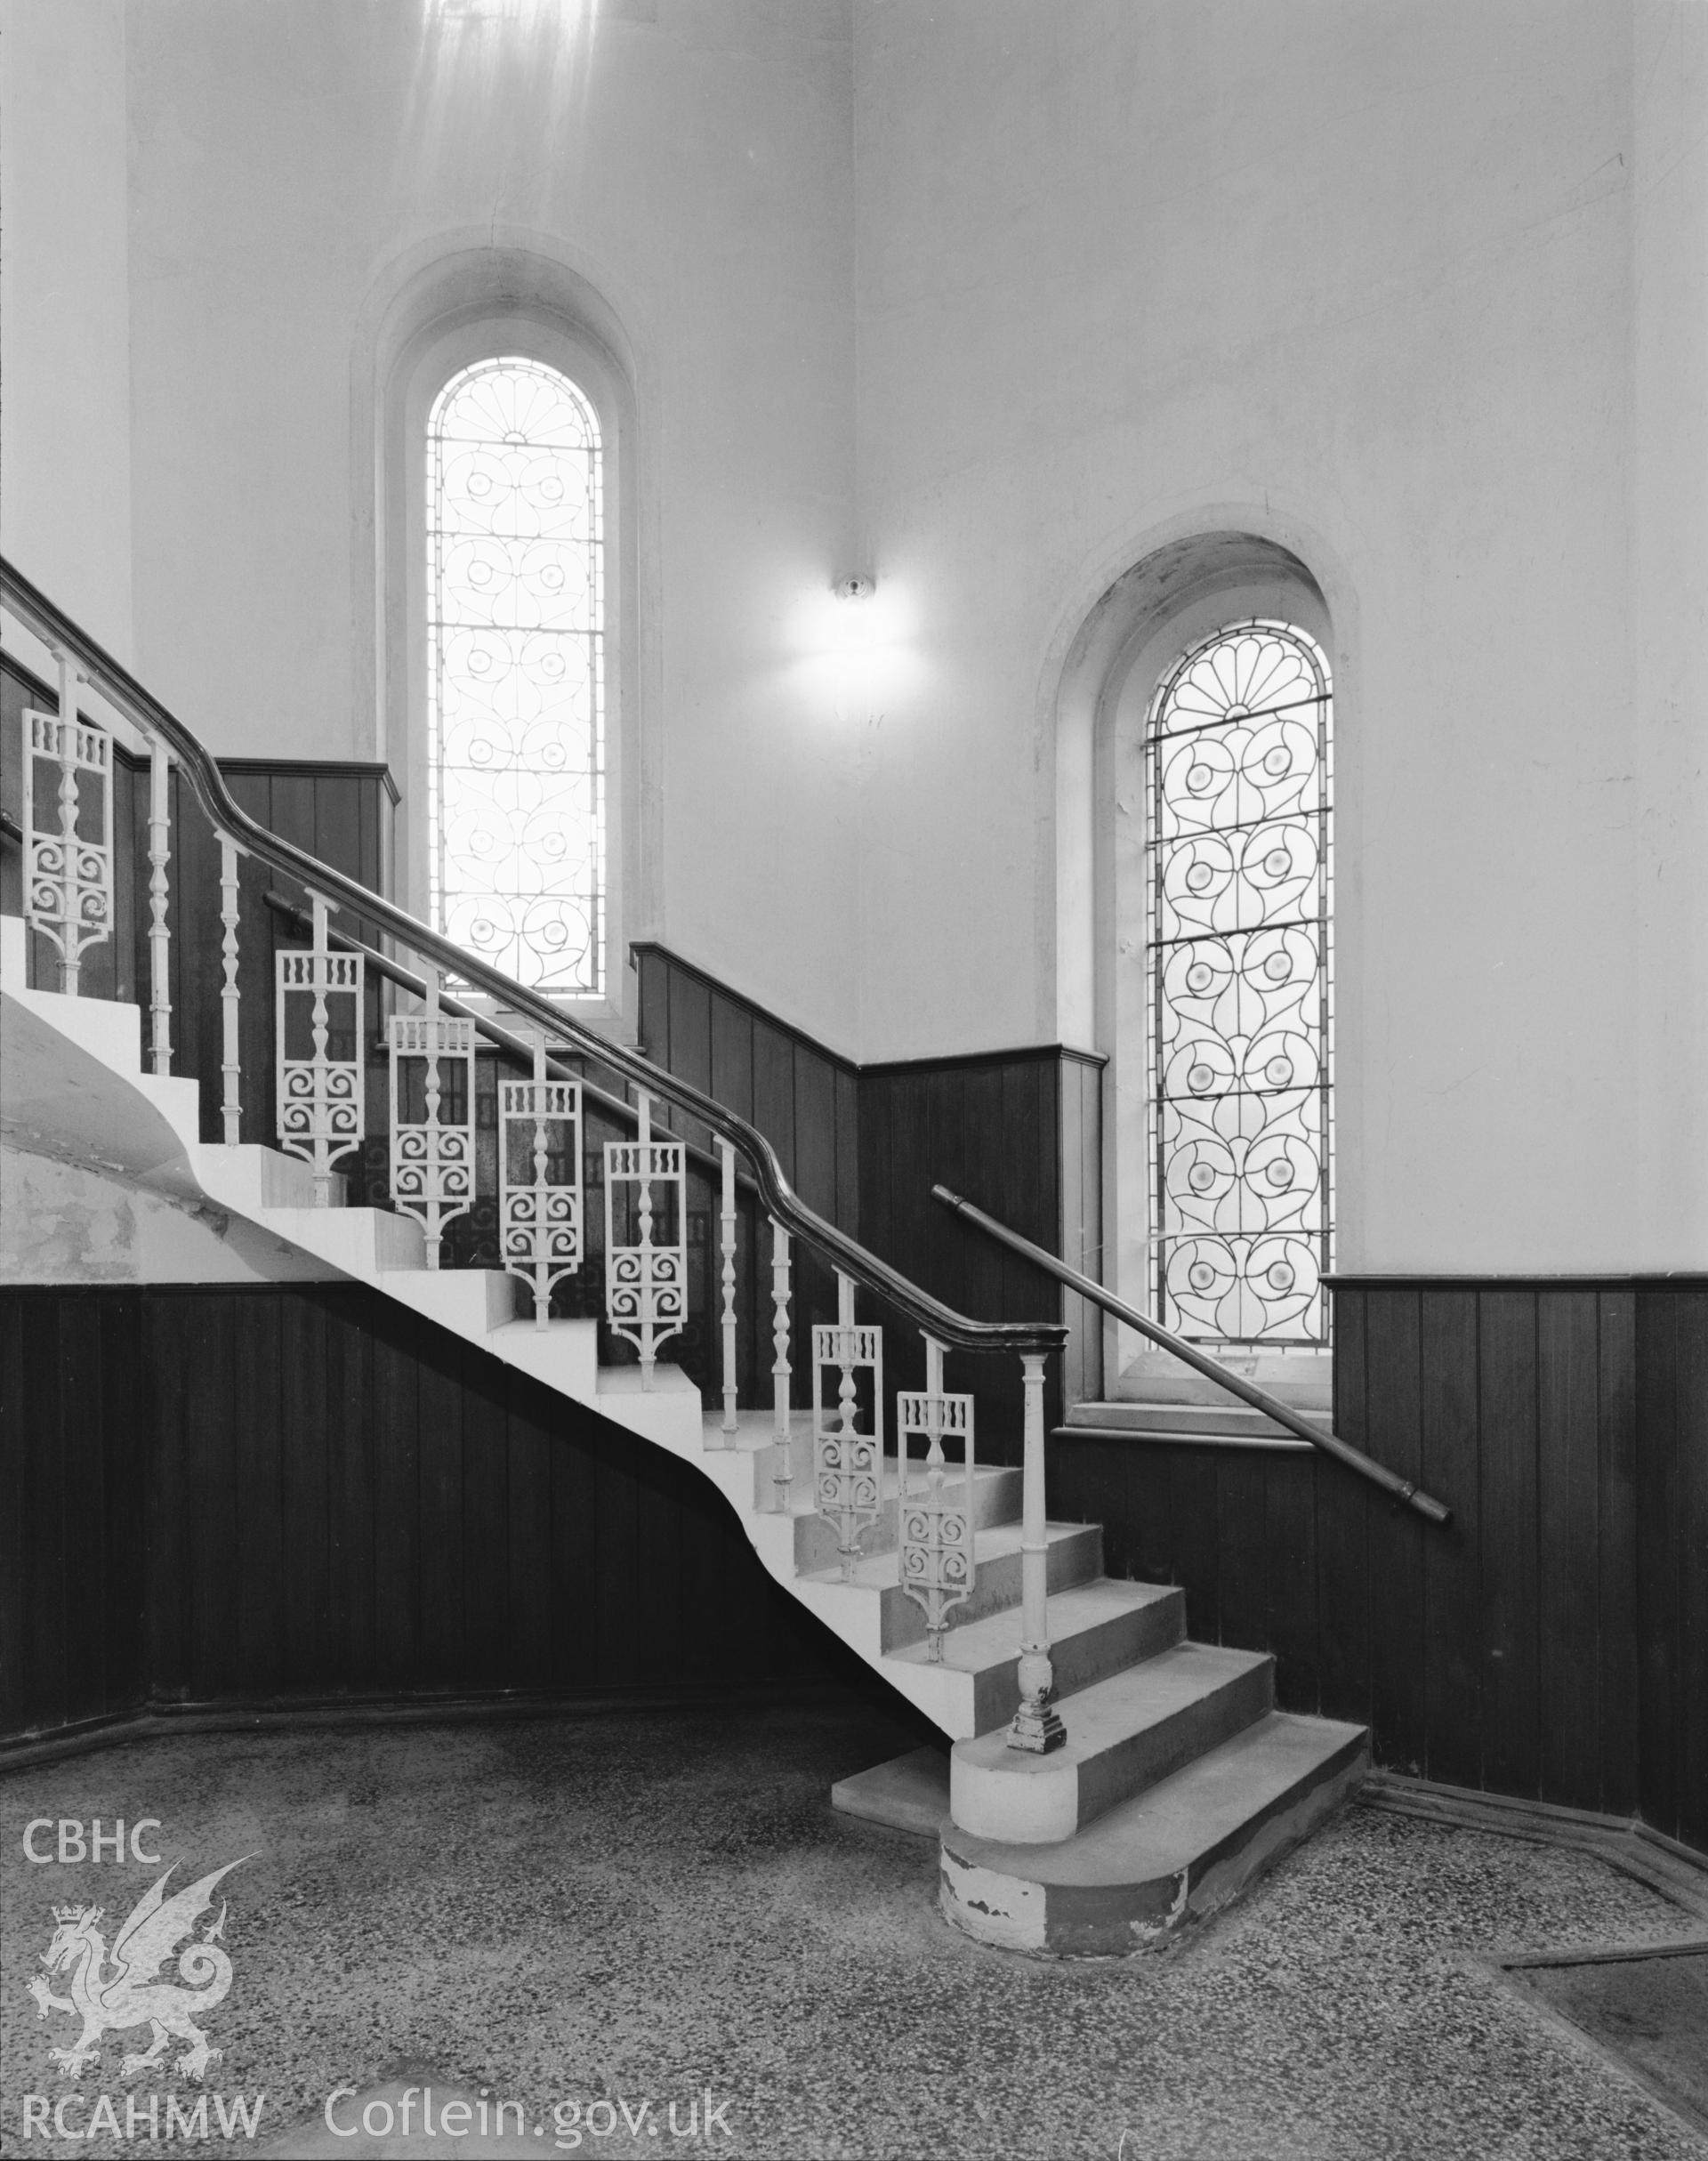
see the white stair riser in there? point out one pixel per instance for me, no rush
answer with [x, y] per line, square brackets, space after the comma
[1075, 1557]
[1056, 1796]
[996, 1499]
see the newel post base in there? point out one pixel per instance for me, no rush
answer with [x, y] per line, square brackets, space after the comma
[1037, 1725]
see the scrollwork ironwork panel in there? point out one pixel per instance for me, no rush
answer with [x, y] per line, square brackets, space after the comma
[67, 836]
[516, 672]
[1239, 952]
[847, 1464]
[539, 1157]
[321, 1112]
[646, 1272]
[935, 1527]
[432, 1120]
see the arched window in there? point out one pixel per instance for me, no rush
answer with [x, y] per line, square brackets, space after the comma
[516, 673]
[1239, 957]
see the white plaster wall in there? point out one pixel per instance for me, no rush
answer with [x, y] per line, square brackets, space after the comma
[692, 158]
[65, 406]
[990, 298]
[1364, 274]
[1668, 1055]
[61, 1224]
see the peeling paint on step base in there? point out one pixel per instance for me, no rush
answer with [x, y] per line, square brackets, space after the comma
[1037, 1900]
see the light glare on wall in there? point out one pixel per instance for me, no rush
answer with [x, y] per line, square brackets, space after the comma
[853, 642]
[507, 10]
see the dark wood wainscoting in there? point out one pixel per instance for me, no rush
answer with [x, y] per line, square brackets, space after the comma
[302, 1491]
[1551, 1643]
[1020, 1131]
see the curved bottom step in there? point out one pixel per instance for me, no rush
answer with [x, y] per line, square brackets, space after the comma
[1138, 1874]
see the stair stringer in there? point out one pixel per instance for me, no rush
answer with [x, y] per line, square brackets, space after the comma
[81, 1093]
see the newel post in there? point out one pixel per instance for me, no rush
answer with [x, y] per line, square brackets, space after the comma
[1037, 1724]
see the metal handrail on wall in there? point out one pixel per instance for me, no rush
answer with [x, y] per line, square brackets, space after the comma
[69, 898]
[1224, 1377]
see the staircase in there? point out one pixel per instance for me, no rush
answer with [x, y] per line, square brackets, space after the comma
[1109, 1781]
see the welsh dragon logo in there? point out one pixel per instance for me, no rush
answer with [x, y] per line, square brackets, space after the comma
[120, 1989]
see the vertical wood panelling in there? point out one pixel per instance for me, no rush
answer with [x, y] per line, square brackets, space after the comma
[1290, 1541]
[528, 1578]
[438, 1358]
[1568, 1536]
[309, 1420]
[258, 1494]
[93, 1535]
[1690, 1818]
[328, 1467]
[1397, 1613]
[1346, 1626]
[485, 1588]
[396, 1412]
[1505, 1442]
[1453, 1559]
[352, 1441]
[210, 1494]
[1618, 1550]
[1243, 1546]
[1658, 1498]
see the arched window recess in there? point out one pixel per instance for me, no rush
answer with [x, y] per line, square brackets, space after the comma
[516, 667]
[1238, 957]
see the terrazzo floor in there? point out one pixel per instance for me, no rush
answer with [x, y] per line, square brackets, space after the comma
[642, 1907]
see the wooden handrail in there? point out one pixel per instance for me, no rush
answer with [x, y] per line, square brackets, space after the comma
[143, 709]
[1248, 1391]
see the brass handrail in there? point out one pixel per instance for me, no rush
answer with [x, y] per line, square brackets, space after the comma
[144, 711]
[1248, 1391]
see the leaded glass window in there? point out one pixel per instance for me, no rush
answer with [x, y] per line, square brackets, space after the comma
[1239, 951]
[516, 673]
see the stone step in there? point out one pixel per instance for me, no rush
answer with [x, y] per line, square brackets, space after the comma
[1096, 1630]
[1123, 1735]
[564, 1354]
[995, 1499]
[1163, 1858]
[365, 1242]
[1075, 1556]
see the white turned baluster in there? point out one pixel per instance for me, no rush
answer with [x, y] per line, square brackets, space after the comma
[643, 1135]
[934, 1528]
[434, 1228]
[70, 967]
[318, 1038]
[231, 1068]
[783, 1474]
[726, 1227]
[542, 1304]
[1037, 1724]
[848, 1466]
[159, 934]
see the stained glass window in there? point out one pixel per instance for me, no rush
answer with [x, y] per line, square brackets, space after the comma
[1239, 952]
[516, 673]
